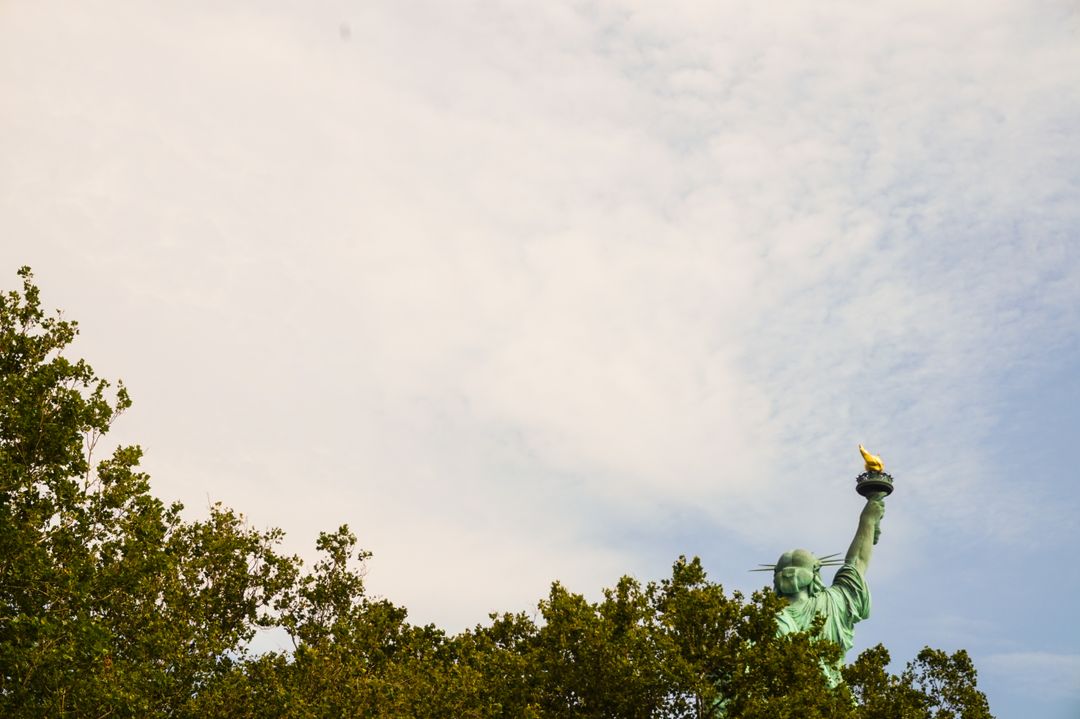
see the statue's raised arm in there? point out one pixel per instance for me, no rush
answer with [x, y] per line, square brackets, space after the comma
[867, 533]
[797, 574]
[875, 485]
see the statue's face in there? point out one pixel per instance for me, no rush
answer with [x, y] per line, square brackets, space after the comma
[795, 571]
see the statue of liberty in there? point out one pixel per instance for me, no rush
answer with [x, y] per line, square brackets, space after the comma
[797, 574]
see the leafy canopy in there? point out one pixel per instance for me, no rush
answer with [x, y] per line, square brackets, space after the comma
[114, 605]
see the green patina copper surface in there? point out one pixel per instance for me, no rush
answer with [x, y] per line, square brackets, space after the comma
[844, 603]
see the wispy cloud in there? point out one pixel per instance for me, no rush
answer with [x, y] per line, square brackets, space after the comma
[1039, 674]
[472, 278]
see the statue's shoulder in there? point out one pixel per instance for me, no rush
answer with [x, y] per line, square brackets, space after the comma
[787, 622]
[850, 593]
[848, 574]
[799, 617]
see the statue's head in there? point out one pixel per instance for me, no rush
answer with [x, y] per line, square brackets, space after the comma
[795, 571]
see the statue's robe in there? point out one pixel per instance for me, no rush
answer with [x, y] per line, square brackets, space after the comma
[844, 604]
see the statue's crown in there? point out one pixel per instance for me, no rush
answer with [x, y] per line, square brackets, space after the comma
[787, 559]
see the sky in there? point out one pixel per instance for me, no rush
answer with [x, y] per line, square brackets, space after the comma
[564, 290]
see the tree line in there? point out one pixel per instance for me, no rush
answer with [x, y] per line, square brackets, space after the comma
[113, 605]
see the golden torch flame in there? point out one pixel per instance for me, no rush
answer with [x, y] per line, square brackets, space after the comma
[873, 463]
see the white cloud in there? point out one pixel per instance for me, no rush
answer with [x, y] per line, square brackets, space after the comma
[478, 275]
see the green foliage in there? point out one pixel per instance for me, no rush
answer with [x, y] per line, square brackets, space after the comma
[110, 603]
[935, 685]
[113, 605]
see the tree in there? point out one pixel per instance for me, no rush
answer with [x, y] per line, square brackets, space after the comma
[935, 685]
[110, 603]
